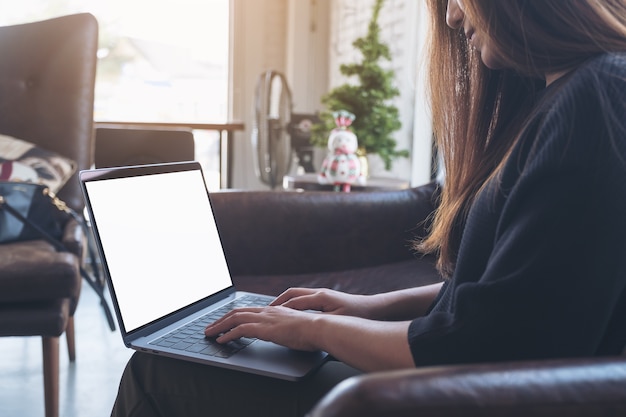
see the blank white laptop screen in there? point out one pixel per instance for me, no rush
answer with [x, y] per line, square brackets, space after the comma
[160, 242]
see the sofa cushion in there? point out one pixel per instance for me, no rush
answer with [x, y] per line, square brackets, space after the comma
[38, 318]
[372, 280]
[33, 270]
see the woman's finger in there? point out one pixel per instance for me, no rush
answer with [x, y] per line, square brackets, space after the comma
[305, 302]
[230, 320]
[291, 293]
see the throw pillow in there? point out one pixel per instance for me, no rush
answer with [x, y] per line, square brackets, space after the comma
[24, 161]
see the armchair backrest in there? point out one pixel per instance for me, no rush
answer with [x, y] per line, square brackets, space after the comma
[119, 146]
[284, 232]
[47, 82]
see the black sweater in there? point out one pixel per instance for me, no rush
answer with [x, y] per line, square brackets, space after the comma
[541, 269]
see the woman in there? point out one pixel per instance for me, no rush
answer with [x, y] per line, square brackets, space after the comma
[529, 113]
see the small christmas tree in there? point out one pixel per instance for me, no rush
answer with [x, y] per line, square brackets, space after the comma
[369, 99]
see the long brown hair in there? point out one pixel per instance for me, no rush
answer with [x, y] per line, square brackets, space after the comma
[478, 113]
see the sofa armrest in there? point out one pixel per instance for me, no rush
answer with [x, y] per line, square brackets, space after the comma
[283, 232]
[74, 238]
[564, 388]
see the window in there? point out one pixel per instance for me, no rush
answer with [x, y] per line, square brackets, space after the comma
[158, 61]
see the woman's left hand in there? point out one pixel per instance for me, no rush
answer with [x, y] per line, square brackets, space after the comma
[284, 326]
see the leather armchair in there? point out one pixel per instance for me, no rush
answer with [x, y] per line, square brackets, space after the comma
[360, 242]
[47, 78]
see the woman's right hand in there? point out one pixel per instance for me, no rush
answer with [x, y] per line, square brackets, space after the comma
[331, 302]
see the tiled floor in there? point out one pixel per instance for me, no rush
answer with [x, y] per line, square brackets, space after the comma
[87, 387]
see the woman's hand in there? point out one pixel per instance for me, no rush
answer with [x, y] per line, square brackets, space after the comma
[395, 305]
[285, 326]
[329, 301]
[364, 344]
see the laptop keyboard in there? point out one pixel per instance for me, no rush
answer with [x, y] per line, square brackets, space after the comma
[190, 337]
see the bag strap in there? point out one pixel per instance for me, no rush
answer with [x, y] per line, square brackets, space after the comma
[95, 283]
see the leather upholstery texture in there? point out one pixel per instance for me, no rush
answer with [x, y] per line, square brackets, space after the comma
[564, 388]
[285, 232]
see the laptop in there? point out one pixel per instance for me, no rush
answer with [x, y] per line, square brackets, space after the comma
[165, 268]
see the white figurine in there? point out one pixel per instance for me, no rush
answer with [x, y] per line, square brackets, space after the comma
[342, 167]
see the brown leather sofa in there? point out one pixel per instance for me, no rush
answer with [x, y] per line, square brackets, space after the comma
[360, 242]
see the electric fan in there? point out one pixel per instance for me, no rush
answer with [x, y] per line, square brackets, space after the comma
[271, 138]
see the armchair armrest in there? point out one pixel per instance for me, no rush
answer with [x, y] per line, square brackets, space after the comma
[564, 388]
[285, 232]
[74, 238]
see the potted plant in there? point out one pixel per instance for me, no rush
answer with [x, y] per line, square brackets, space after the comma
[369, 99]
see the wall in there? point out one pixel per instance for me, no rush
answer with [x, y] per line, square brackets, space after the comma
[258, 37]
[421, 157]
[307, 52]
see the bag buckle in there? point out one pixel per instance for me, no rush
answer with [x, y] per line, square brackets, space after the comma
[58, 203]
